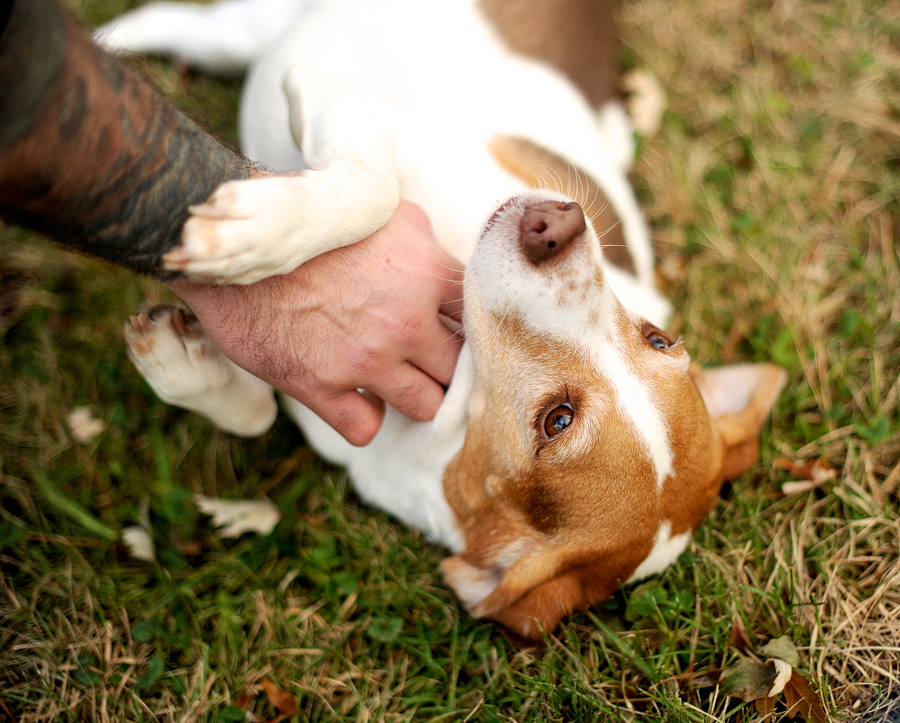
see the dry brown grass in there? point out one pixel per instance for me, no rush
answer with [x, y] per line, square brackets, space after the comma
[793, 106]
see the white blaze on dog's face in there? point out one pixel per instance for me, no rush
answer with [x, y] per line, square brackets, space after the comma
[590, 445]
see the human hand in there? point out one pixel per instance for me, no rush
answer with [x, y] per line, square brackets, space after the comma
[363, 316]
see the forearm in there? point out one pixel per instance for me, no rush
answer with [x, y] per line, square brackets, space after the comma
[89, 154]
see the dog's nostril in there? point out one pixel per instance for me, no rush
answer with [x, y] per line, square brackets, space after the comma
[547, 229]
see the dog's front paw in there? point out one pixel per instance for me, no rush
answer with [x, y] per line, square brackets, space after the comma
[246, 231]
[252, 229]
[172, 352]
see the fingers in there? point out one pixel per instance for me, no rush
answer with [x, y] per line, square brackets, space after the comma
[410, 391]
[356, 416]
[416, 214]
[449, 272]
[436, 356]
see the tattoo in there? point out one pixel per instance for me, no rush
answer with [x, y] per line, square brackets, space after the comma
[89, 154]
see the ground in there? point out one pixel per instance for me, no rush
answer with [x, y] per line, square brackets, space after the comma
[772, 193]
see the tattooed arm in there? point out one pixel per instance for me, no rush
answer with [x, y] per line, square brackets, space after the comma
[89, 154]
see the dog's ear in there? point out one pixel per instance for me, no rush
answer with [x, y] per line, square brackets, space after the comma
[540, 588]
[738, 399]
[520, 589]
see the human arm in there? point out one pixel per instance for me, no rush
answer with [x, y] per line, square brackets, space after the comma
[90, 154]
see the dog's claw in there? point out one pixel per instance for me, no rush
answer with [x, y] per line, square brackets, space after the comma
[208, 210]
[140, 322]
[178, 322]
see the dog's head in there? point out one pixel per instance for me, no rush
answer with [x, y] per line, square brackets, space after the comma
[594, 446]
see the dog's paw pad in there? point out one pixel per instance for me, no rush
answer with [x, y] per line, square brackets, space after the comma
[172, 352]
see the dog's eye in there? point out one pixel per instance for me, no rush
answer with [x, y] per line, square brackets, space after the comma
[658, 341]
[657, 338]
[559, 419]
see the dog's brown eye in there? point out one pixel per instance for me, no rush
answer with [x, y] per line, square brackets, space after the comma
[657, 338]
[559, 419]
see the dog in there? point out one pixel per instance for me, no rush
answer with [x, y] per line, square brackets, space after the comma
[578, 446]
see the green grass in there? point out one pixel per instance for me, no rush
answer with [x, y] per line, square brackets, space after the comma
[772, 190]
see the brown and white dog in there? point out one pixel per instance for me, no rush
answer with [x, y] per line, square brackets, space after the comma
[578, 446]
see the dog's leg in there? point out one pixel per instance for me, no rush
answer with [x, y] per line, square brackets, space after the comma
[182, 365]
[222, 38]
[249, 230]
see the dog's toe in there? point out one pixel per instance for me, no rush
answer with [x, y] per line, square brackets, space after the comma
[172, 352]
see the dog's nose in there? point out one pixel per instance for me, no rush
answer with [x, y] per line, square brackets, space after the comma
[547, 229]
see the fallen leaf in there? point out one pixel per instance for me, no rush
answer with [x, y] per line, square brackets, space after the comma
[783, 675]
[747, 679]
[84, 427]
[240, 516]
[243, 703]
[802, 700]
[764, 706]
[284, 702]
[782, 648]
[139, 543]
[810, 473]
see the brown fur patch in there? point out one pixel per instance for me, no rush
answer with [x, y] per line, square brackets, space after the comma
[577, 38]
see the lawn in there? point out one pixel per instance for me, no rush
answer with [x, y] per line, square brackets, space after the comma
[772, 192]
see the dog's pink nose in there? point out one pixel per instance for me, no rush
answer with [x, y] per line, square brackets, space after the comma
[548, 228]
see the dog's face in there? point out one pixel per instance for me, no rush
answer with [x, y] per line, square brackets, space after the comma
[592, 439]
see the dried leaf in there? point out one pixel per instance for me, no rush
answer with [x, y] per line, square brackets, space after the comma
[810, 473]
[781, 648]
[646, 102]
[240, 516]
[284, 702]
[764, 706]
[84, 427]
[783, 675]
[802, 700]
[747, 679]
[139, 543]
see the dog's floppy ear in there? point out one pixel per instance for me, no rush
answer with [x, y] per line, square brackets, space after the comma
[519, 589]
[738, 399]
[504, 561]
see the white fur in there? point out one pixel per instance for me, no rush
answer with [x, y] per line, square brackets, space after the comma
[222, 38]
[665, 551]
[562, 302]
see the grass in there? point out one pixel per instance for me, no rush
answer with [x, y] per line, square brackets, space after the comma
[772, 190]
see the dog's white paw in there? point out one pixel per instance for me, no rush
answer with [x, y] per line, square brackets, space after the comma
[180, 362]
[172, 352]
[252, 229]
